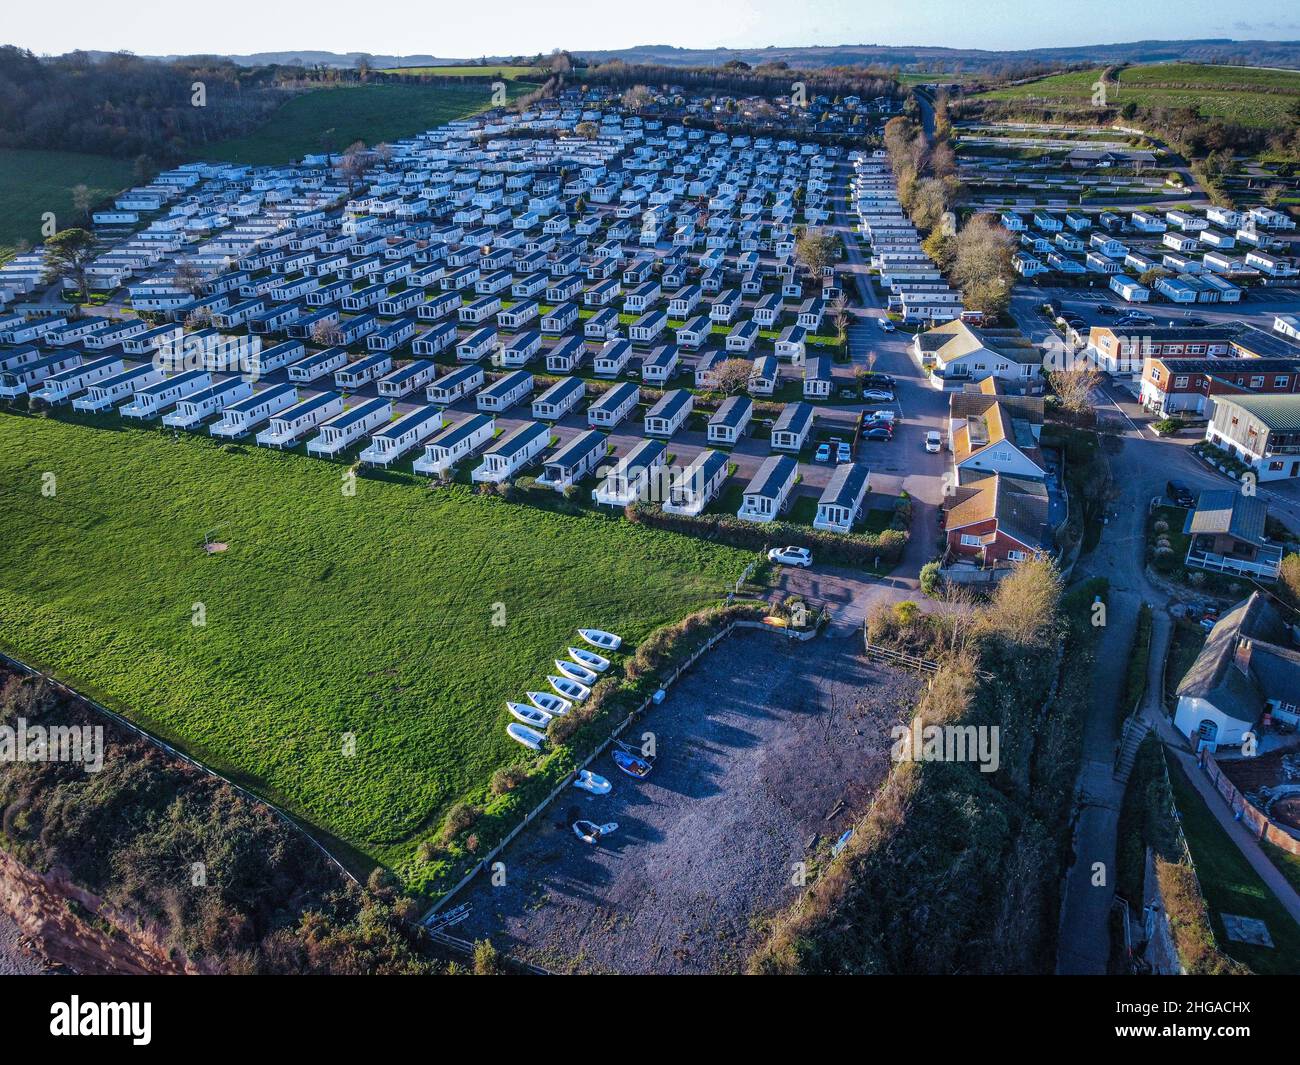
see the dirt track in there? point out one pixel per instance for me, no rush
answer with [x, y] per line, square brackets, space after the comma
[758, 744]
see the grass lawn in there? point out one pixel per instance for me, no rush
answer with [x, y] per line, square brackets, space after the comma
[346, 114]
[329, 615]
[33, 182]
[1230, 885]
[1248, 95]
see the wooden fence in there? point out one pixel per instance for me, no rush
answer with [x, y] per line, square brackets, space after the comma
[898, 658]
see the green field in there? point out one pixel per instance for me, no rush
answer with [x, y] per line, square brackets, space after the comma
[465, 71]
[328, 615]
[33, 182]
[1247, 95]
[341, 116]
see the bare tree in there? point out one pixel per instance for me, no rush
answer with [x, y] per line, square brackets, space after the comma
[1075, 387]
[732, 375]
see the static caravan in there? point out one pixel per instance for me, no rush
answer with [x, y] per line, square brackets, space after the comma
[694, 332]
[727, 426]
[273, 358]
[313, 366]
[563, 289]
[344, 430]
[660, 365]
[603, 293]
[766, 494]
[352, 330]
[391, 336]
[458, 384]
[568, 355]
[241, 417]
[634, 477]
[768, 310]
[528, 286]
[61, 387]
[505, 392]
[406, 300]
[580, 456]
[362, 372]
[601, 326]
[397, 438]
[152, 400]
[479, 311]
[612, 359]
[706, 367]
[691, 489]
[521, 350]
[811, 313]
[560, 319]
[151, 340]
[519, 315]
[641, 298]
[106, 393]
[685, 300]
[116, 334]
[764, 377]
[19, 381]
[725, 307]
[792, 426]
[435, 340]
[287, 427]
[513, 453]
[817, 378]
[406, 379]
[193, 410]
[477, 345]
[455, 443]
[648, 328]
[439, 306]
[742, 336]
[559, 399]
[668, 415]
[610, 409]
[841, 499]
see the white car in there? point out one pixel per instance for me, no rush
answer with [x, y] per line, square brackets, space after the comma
[933, 441]
[791, 556]
[886, 326]
[879, 395]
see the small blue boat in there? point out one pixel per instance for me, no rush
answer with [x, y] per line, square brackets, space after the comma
[631, 764]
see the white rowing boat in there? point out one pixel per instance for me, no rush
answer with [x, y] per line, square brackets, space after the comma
[529, 737]
[606, 641]
[570, 689]
[573, 671]
[552, 704]
[530, 715]
[589, 659]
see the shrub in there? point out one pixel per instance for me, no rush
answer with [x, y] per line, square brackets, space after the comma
[460, 817]
[930, 577]
[508, 777]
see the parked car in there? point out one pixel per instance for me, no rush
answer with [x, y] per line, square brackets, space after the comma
[1193, 322]
[791, 556]
[878, 432]
[878, 380]
[877, 416]
[823, 453]
[886, 326]
[1180, 494]
[843, 453]
[878, 394]
[1108, 309]
[933, 441]
[1140, 316]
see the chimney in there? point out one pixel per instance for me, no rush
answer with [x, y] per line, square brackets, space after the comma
[1241, 657]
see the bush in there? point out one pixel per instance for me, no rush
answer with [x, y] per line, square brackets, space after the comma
[930, 577]
[460, 818]
[508, 777]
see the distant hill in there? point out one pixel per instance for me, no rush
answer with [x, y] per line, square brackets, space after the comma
[908, 57]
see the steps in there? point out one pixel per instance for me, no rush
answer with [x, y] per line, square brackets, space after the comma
[1135, 731]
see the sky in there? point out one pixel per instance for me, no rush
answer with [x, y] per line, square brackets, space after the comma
[509, 27]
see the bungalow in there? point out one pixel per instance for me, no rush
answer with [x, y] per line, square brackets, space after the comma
[344, 430]
[841, 499]
[313, 366]
[1247, 667]
[287, 427]
[690, 490]
[559, 399]
[479, 311]
[476, 345]
[659, 367]
[612, 359]
[572, 462]
[391, 336]
[406, 379]
[151, 400]
[458, 384]
[238, 418]
[191, 411]
[567, 356]
[742, 336]
[560, 319]
[603, 325]
[505, 392]
[1226, 535]
[610, 409]
[520, 350]
[106, 393]
[766, 494]
[397, 438]
[997, 518]
[455, 443]
[434, 341]
[513, 452]
[362, 372]
[634, 477]
[647, 328]
[728, 423]
[668, 414]
[62, 385]
[956, 352]
[764, 377]
[817, 378]
[792, 425]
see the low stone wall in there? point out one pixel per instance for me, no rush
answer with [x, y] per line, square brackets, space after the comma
[1245, 811]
